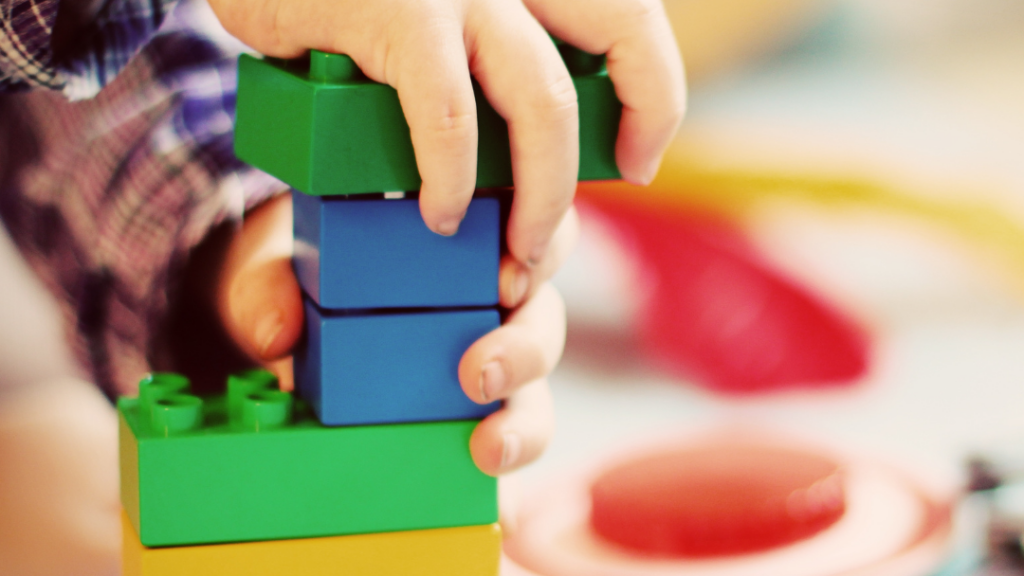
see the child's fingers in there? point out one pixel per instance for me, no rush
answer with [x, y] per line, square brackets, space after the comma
[518, 433]
[643, 62]
[517, 282]
[526, 82]
[284, 369]
[525, 348]
[427, 66]
[258, 297]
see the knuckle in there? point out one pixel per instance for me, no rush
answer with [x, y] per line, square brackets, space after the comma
[273, 32]
[639, 11]
[421, 16]
[555, 101]
[531, 362]
[677, 107]
[452, 127]
[455, 122]
[450, 120]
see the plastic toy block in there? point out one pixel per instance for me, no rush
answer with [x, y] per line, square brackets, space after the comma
[357, 252]
[389, 367]
[253, 464]
[464, 551]
[321, 126]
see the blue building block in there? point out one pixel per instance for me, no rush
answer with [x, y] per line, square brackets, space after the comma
[357, 369]
[375, 253]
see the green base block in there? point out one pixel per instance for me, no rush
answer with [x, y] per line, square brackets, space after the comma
[256, 465]
[324, 129]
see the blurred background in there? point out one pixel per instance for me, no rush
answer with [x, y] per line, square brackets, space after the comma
[916, 106]
[870, 157]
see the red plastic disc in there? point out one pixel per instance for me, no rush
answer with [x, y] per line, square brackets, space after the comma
[727, 497]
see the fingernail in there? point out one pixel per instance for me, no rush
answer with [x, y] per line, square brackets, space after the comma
[643, 177]
[650, 172]
[492, 380]
[449, 227]
[520, 285]
[511, 447]
[267, 330]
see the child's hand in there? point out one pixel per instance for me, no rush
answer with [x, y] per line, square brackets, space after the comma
[260, 304]
[427, 50]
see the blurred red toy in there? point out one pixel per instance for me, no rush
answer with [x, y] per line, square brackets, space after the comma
[722, 498]
[716, 311]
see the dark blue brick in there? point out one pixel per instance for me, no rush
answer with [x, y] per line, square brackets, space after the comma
[389, 367]
[376, 253]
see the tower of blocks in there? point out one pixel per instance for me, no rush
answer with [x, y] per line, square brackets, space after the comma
[367, 470]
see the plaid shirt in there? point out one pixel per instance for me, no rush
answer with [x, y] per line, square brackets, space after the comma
[25, 54]
[116, 160]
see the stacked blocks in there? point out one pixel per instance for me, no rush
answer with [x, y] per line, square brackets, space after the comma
[368, 471]
[391, 307]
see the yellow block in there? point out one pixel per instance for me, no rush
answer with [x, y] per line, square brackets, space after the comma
[465, 551]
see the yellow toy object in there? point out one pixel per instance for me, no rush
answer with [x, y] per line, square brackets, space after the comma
[463, 551]
[739, 193]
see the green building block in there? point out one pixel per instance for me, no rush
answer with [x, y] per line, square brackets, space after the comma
[254, 464]
[323, 128]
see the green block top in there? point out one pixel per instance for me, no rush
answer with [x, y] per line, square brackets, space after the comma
[321, 126]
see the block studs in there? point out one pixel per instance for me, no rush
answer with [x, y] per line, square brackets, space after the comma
[158, 385]
[241, 386]
[333, 68]
[176, 414]
[266, 410]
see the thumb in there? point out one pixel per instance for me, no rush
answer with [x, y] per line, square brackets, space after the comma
[259, 300]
